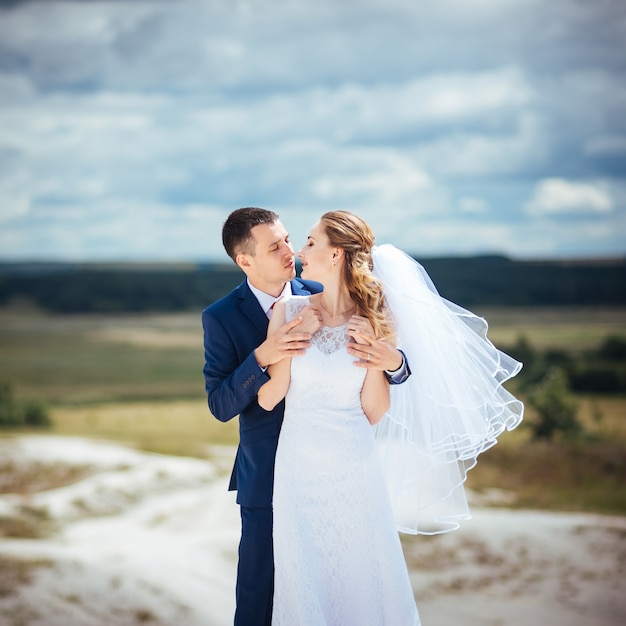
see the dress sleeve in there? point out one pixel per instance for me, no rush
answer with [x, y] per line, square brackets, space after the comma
[295, 304]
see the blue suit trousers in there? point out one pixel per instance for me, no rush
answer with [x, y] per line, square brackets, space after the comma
[255, 571]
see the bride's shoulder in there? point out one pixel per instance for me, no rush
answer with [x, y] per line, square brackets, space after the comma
[294, 304]
[293, 300]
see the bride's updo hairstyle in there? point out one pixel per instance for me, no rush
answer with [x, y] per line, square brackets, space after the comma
[355, 237]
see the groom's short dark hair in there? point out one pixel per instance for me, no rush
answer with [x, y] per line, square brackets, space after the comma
[237, 230]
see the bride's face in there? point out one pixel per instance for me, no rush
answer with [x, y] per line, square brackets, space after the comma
[316, 255]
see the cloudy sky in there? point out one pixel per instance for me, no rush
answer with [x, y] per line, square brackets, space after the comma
[130, 129]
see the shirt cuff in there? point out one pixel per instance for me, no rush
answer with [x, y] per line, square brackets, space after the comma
[401, 374]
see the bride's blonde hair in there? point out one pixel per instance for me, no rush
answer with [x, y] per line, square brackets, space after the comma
[355, 237]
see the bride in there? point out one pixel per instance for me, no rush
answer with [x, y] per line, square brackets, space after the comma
[338, 503]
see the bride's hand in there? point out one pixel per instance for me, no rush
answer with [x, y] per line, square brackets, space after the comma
[360, 329]
[311, 321]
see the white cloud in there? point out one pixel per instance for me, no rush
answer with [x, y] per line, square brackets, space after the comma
[15, 199]
[116, 229]
[473, 205]
[556, 196]
[15, 205]
[383, 176]
[468, 152]
[439, 235]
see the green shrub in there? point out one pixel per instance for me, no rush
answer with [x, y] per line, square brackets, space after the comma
[8, 406]
[14, 414]
[36, 414]
[557, 410]
[613, 348]
[594, 376]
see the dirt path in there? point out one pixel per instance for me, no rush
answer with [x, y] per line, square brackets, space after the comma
[149, 539]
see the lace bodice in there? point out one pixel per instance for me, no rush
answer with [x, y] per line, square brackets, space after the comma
[327, 339]
[324, 379]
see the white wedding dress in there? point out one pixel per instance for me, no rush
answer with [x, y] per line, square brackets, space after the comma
[338, 557]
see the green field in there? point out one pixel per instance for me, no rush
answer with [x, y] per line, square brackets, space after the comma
[93, 359]
[138, 379]
[574, 329]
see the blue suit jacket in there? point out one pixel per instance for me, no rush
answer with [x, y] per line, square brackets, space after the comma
[234, 327]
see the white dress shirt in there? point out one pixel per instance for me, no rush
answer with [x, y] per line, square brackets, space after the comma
[266, 300]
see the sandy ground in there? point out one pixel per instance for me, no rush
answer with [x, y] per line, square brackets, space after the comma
[149, 539]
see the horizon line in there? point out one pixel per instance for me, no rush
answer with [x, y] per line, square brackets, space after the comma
[579, 259]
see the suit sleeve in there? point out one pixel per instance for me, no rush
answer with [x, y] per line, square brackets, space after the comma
[231, 385]
[401, 374]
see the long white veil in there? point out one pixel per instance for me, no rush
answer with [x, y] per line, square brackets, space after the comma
[452, 407]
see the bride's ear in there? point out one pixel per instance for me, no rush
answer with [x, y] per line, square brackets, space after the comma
[337, 256]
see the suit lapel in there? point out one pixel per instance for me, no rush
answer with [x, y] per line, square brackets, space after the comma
[251, 308]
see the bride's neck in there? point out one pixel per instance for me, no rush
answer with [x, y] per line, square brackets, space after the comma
[336, 301]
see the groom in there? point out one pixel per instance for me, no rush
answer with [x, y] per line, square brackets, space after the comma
[237, 354]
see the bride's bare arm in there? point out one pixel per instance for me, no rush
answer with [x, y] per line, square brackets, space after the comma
[274, 390]
[375, 396]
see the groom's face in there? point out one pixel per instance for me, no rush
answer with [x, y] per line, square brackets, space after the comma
[272, 263]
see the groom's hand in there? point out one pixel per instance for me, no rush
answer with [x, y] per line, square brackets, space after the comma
[372, 353]
[287, 341]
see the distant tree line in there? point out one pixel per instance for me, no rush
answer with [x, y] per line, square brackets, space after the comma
[470, 282]
[499, 281]
[101, 289]
[598, 371]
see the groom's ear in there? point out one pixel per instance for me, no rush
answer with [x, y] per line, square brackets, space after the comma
[243, 261]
